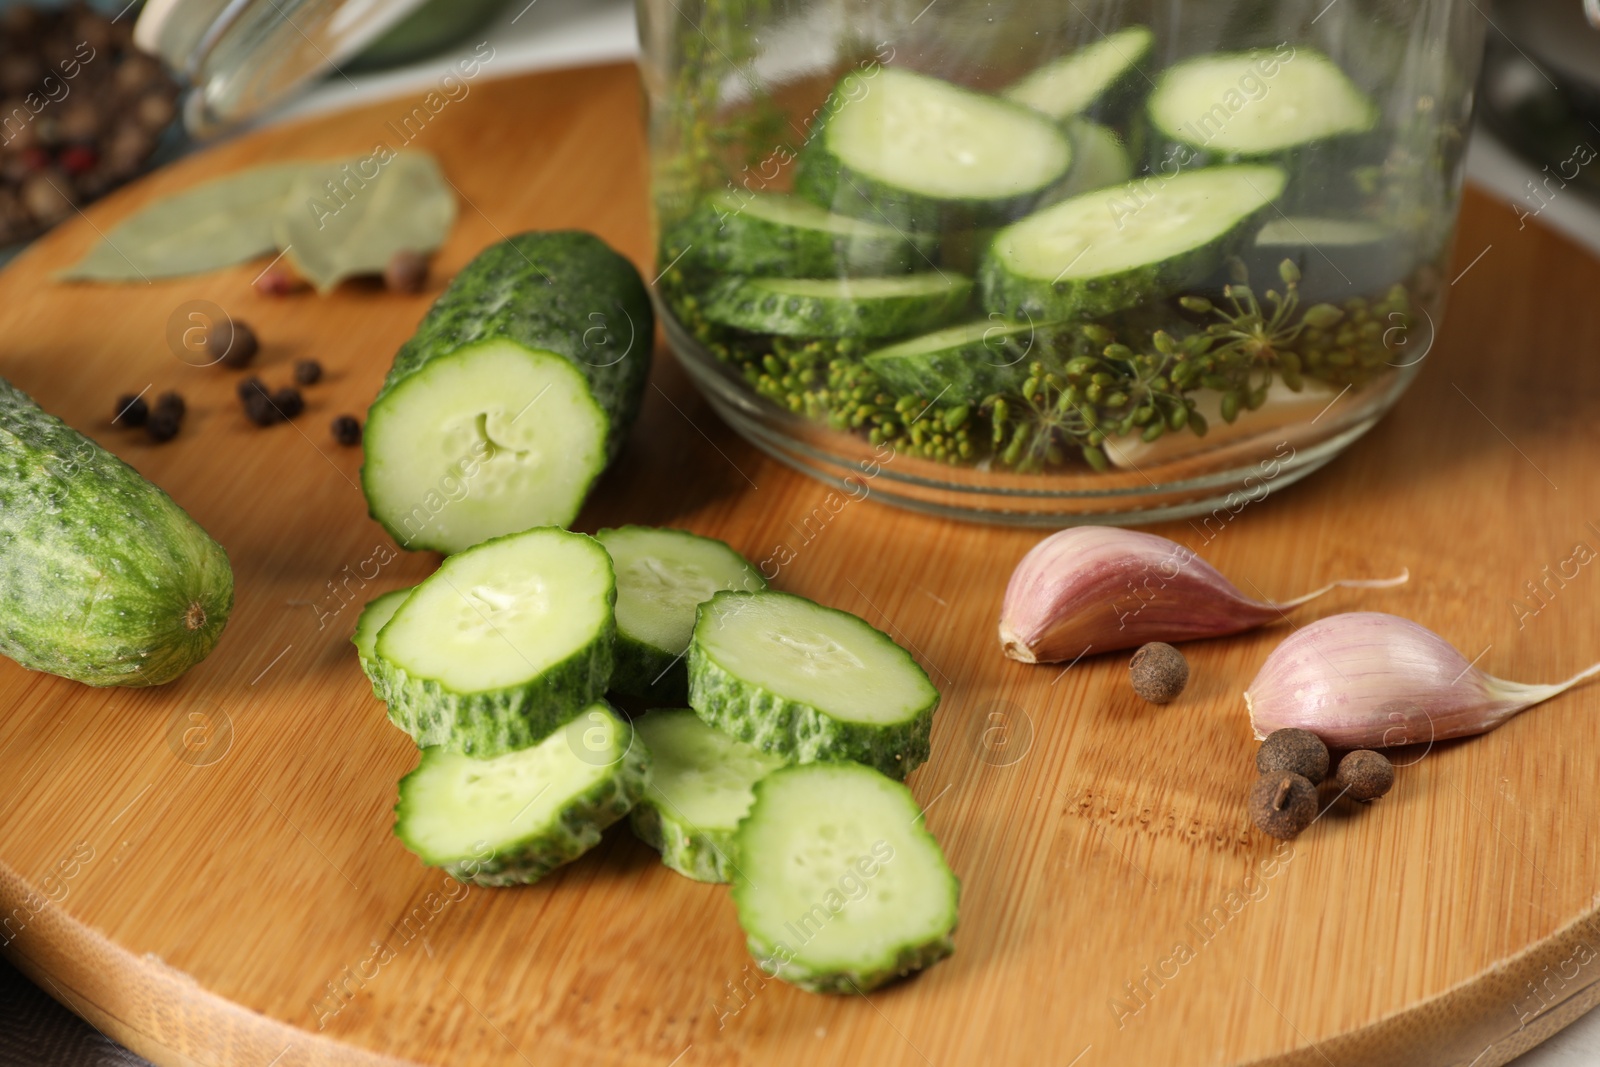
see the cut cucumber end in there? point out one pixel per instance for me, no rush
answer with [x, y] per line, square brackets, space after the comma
[513, 818]
[808, 682]
[840, 887]
[490, 439]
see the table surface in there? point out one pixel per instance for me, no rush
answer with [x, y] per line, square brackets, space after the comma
[74, 1043]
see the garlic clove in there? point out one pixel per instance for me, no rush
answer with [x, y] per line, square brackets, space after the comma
[1100, 588]
[1372, 680]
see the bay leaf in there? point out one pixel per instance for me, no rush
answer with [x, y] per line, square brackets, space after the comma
[211, 225]
[349, 219]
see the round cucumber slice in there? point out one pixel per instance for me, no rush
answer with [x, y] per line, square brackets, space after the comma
[504, 642]
[838, 307]
[919, 153]
[1127, 245]
[1258, 103]
[1070, 85]
[512, 819]
[700, 787]
[662, 577]
[807, 682]
[384, 676]
[840, 887]
[768, 233]
[1099, 159]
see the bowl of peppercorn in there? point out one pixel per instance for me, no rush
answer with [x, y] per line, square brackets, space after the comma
[81, 111]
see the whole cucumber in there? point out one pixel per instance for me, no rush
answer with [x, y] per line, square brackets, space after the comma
[103, 578]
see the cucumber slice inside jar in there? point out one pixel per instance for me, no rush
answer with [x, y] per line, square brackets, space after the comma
[1072, 84]
[662, 577]
[700, 787]
[963, 364]
[918, 153]
[512, 819]
[840, 887]
[838, 307]
[807, 682]
[504, 643]
[1258, 103]
[1127, 245]
[767, 233]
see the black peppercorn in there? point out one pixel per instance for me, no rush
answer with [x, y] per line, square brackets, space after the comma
[307, 372]
[1296, 751]
[251, 386]
[1365, 775]
[162, 426]
[259, 408]
[233, 344]
[288, 401]
[347, 430]
[171, 404]
[1283, 804]
[132, 410]
[1158, 672]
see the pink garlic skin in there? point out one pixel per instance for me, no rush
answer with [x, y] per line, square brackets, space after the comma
[1092, 589]
[1366, 679]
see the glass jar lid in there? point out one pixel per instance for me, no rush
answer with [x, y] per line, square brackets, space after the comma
[241, 57]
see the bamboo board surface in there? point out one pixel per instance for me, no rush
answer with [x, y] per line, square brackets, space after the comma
[244, 903]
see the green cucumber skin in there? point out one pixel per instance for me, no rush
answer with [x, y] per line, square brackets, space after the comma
[744, 305]
[584, 820]
[542, 290]
[700, 855]
[725, 242]
[489, 724]
[797, 731]
[909, 960]
[104, 579]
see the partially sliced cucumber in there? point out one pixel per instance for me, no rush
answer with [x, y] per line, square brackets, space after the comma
[963, 364]
[662, 577]
[807, 682]
[1259, 103]
[922, 154]
[1124, 246]
[840, 887]
[384, 676]
[514, 818]
[768, 233]
[838, 307]
[504, 643]
[517, 389]
[1337, 258]
[700, 787]
[1072, 84]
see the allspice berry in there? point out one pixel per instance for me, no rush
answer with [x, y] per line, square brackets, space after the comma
[1158, 672]
[233, 344]
[1283, 804]
[407, 272]
[1365, 775]
[1295, 751]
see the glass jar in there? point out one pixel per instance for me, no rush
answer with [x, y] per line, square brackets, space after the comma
[1056, 262]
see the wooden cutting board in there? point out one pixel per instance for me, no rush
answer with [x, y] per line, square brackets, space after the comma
[234, 896]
